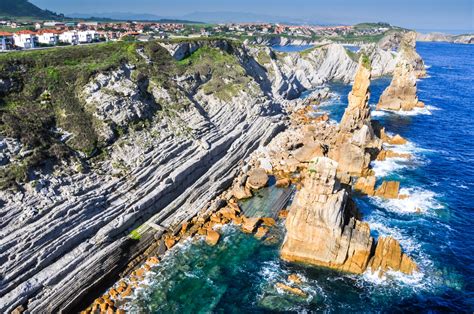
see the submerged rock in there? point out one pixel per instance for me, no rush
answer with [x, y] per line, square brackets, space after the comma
[292, 290]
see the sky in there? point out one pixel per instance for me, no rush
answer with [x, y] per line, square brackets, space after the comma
[416, 14]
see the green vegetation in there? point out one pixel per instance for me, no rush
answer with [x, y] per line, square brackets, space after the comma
[353, 55]
[366, 61]
[23, 8]
[135, 235]
[47, 95]
[226, 76]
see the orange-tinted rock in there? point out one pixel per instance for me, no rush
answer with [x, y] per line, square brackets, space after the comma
[238, 220]
[397, 140]
[241, 192]
[127, 292]
[283, 214]
[113, 293]
[120, 311]
[249, 224]
[294, 278]
[384, 154]
[170, 242]
[365, 185]
[283, 183]
[268, 221]
[317, 232]
[292, 290]
[212, 237]
[261, 232]
[389, 256]
[388, 189]
[153, 260]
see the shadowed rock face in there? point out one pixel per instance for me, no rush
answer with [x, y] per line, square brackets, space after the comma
[401, 94]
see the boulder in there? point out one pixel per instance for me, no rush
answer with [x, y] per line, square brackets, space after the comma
[257, 179]
[241, 192]
[170, 242]
[212, 237]
[249, 224]
[384, 154]
[388, 189]
[283, 183]
[268, 221]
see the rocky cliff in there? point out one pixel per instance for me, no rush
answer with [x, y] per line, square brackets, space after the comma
[440, 37]
[106, 140]
[401, 94]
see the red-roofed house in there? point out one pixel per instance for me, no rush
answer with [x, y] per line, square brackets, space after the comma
[6, 40]
[48, 36]
[25, 39]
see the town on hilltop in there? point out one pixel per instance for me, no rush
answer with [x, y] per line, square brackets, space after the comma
[16, 35]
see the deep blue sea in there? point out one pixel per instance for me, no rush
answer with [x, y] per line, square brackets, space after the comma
[435, 225]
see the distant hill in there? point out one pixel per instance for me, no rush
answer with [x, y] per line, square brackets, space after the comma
[23, 8]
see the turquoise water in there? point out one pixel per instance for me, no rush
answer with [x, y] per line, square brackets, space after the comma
[434, 225]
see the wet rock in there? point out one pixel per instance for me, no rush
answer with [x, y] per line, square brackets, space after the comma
[397, 140]
[257, 179]
[384, 154]
[212, 237]
[292, 290]
[388, 189]
[295, 278]
[261, 232]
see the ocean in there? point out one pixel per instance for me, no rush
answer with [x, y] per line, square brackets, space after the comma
[435, 225]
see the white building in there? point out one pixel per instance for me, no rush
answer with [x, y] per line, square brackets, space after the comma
[25, 39]
[70, 37]
[48, 37]
[87, 36]
[6, 40]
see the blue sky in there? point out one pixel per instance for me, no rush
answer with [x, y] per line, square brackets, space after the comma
[418, 14]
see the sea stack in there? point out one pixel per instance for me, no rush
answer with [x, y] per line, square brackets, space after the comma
[323, 229]
[321, 225]
[401, 93]
[356, 142]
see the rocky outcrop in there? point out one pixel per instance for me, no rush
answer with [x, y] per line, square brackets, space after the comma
[389, 256]
[401, 94]
[356, 136]
[323, 230]
[320, 229]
